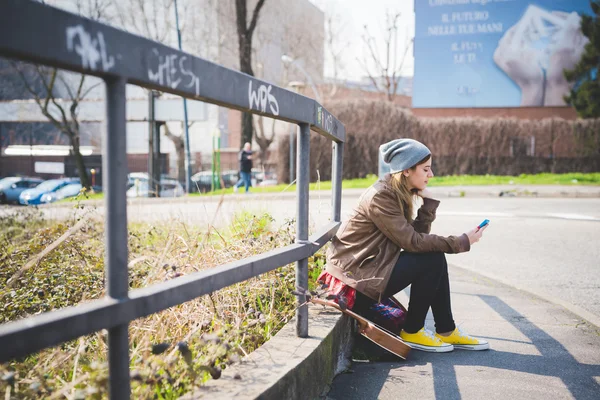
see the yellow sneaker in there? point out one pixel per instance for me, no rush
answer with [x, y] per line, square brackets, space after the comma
[461, 340]
[425, 340]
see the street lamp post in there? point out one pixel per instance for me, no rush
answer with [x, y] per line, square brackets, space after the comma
[188, 162]
[295, 85]
[290, 61]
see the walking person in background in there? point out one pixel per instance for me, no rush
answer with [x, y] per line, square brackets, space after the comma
[383, 248]
[245, 159]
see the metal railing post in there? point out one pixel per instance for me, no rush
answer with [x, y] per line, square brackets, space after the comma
[336, 177]
[303, 171]
[292, 153]
[114, 162]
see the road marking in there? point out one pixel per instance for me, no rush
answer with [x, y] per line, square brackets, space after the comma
[574, 216]
[476, 214]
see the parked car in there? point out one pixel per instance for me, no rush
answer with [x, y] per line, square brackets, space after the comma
[168, 188]
[267, 178]
[71, 190]
[132, 177]
[202, 180]
[34, 196]
[12, 187]
[261, 177]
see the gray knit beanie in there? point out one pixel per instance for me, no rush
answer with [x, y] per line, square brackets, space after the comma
[402, 154]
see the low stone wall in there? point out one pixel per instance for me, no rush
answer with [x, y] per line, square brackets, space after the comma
[288, 367]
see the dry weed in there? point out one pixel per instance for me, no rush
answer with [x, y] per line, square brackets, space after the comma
[171, 352]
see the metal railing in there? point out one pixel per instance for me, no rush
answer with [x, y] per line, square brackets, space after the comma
[33, 32]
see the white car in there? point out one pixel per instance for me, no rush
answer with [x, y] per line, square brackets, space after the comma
[168, 188]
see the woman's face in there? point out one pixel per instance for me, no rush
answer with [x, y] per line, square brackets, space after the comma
[418, 178]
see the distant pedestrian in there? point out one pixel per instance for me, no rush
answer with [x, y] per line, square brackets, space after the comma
[383, 248]
[245, 159]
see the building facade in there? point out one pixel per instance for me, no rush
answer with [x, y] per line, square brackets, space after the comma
[208, 30]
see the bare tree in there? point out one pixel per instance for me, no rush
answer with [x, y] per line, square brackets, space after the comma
[244, 33]
[150, 18]
[334, 48]
[153, 19]
[64, 119]
[42, 83]
[386, 71]
[264, 138]
[273, 40]
[179, 143]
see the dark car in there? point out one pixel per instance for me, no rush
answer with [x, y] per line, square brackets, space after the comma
[12, 187]
[202, 180]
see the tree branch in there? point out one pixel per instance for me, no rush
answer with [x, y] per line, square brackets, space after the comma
[255, 16]
[84, 95]
[363, 64]
[37, 98]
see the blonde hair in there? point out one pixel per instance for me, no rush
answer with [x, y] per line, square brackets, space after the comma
[403, 193]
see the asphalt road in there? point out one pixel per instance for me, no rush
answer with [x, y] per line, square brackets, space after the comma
[549, 246]
[534, 248]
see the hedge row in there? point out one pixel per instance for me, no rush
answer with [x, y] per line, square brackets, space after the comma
[503, 146]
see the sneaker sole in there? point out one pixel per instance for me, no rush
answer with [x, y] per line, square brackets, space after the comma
[431, 349]
[472, 346]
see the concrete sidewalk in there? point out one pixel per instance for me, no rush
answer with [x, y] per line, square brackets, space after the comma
[539, 350]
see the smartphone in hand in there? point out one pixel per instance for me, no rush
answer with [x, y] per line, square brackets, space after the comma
[484, 223]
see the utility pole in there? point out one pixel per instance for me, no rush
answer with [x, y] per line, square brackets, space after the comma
[188, 162]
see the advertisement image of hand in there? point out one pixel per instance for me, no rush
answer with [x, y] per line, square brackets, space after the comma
[520, 62]
[569, 44]
[535, 52]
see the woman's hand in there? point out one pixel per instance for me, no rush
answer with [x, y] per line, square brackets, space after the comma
[425, 193]
[475, 234]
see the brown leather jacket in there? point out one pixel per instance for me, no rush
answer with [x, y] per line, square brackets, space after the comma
[366, 247]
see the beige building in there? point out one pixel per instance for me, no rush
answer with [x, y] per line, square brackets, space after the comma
[209, 30]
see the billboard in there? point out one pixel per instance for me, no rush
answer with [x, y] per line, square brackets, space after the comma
[495, 53]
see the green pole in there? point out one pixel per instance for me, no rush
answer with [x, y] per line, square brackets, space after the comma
[219, 160]
[212, 180]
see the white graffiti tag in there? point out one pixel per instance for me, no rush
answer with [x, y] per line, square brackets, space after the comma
[261, 98]
[169, 72]
[91, 50]
[327, 122]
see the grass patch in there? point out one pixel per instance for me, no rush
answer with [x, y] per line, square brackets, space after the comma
[573, 179]
[83, 195]
[171, 352]
[450, 180]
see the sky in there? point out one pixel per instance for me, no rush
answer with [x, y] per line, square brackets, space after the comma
[350, 16]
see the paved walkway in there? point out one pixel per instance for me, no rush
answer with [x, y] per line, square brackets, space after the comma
[538, 351]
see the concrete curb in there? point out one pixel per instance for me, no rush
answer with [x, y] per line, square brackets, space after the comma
[288, 367]
[590, 318]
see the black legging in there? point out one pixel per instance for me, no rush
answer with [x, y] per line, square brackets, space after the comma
[428, 274]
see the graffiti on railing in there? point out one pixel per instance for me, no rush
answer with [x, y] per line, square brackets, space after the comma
[261, 98]
[91, 50]
[326, 120]
[170, 70]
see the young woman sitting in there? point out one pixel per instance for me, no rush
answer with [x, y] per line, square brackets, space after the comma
[381, 250]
